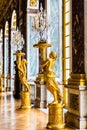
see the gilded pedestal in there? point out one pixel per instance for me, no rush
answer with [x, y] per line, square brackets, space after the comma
[25, 100]
[55, 117]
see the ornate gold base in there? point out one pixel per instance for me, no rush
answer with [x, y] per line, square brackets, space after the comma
[77, 79]
[25, 100]
[55, 116]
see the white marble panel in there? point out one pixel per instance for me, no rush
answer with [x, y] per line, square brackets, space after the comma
[43, 92]
[83, 103]
[33, 92]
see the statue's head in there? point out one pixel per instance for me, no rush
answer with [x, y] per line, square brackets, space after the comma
[53, 55]
[24, 61]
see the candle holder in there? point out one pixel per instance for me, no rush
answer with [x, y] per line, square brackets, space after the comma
[18, 40]
[40, 24]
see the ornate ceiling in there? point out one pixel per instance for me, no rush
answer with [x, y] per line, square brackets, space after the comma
[3, 4]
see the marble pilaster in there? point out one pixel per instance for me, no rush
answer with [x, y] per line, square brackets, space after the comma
[77, 106]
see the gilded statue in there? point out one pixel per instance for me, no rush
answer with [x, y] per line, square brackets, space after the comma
[22, 74]
[50, 80]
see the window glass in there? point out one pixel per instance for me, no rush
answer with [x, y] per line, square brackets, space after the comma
[33, 39]
[55, 30]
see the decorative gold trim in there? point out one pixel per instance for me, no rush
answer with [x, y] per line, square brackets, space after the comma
[42, 45]
[77, 79]
[33, 3]
[78, 76]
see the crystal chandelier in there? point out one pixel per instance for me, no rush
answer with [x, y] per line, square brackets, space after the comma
[40, 24]
[17, 39]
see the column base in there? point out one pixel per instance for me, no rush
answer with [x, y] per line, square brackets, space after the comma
[77, 106]
[55, 116]
[25, 100]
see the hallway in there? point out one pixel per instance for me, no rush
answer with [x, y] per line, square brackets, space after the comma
[13, 118]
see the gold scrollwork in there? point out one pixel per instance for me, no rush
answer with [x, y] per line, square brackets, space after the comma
[33, 2]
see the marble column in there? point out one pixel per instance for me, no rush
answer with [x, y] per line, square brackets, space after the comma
[77, 90]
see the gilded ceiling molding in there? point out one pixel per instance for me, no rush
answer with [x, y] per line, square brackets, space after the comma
[6, 9]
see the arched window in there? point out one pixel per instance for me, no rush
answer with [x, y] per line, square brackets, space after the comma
[13, 48]
[6, 52]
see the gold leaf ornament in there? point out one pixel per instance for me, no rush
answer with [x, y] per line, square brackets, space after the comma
[32, 2]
